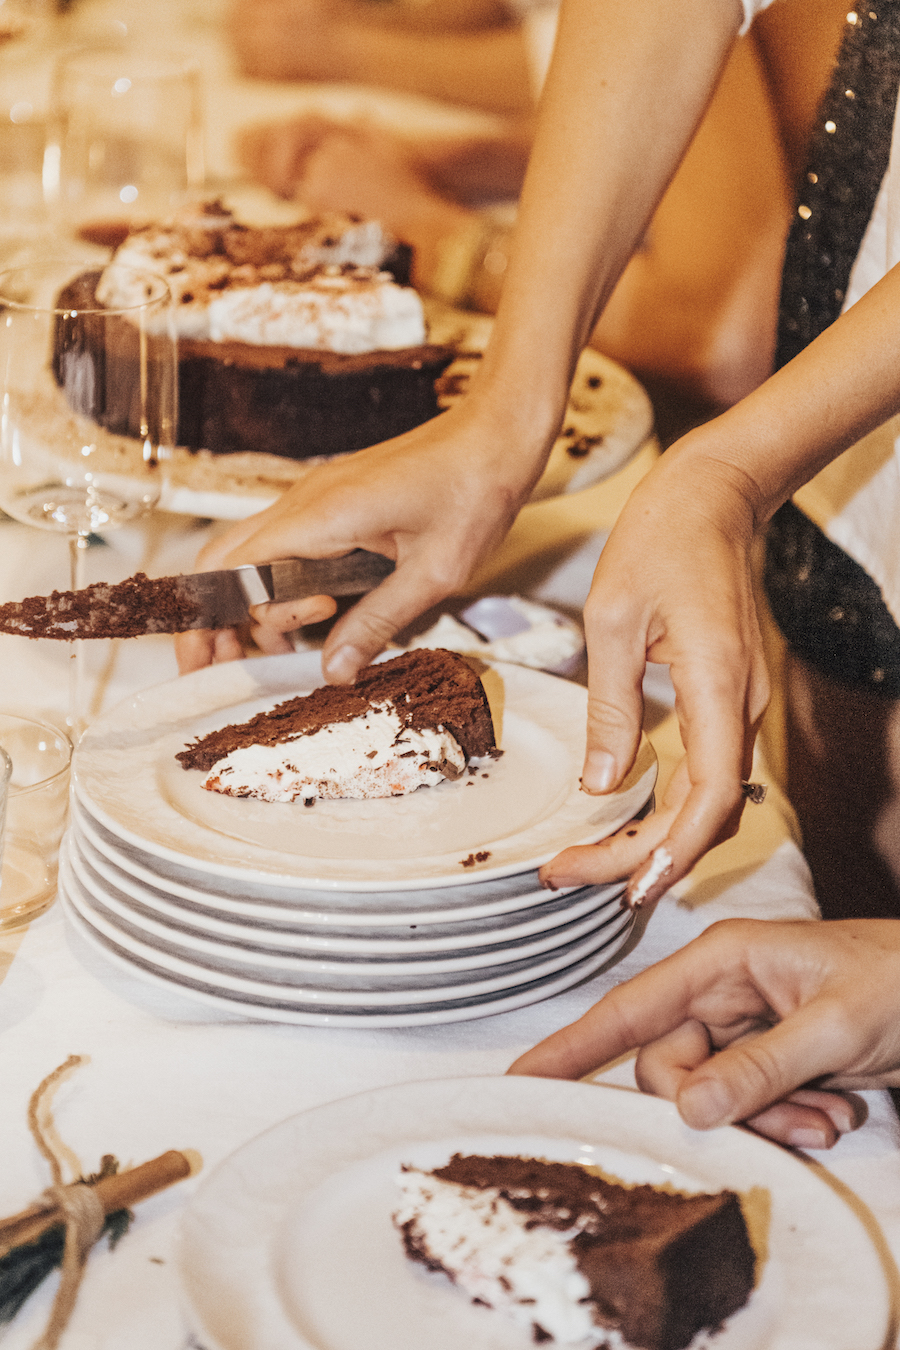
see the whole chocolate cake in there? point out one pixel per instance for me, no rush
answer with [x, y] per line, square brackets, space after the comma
[577, 1258]
[406, 723]
[296, 341]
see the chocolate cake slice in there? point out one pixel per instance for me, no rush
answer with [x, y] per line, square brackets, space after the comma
[579, 1259]
[406, 723]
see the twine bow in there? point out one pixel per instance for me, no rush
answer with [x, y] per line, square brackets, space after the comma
[83, 1212]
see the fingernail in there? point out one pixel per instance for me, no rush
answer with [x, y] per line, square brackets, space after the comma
[705, 1105]
[343, 666]
[807, 1137]
[599, 772]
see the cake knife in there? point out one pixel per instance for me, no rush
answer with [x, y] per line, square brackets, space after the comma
[198, 600]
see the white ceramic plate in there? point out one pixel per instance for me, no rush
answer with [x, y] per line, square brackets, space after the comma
[608, 419]
[210, 994]
[289, 1244]
[472, 902]
[280, 979]
[521, 811]
[435, 947]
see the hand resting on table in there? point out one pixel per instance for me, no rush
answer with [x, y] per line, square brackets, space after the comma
[760, 1022]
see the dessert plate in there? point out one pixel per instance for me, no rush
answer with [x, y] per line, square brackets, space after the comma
[473, 943]
[471, 901]
[206, 991]
[608, 418]
[315, 986]
[289, 1242]
[517, 813]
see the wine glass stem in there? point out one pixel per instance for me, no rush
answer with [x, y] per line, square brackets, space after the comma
[76, 720]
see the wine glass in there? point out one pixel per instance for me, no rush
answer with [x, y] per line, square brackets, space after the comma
[124, 140]
[88, 383]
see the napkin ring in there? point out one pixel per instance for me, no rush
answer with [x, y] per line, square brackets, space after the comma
[754, 792]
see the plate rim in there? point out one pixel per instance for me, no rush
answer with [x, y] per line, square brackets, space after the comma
[448, 1012]
[256, 986]
[187, 931]
[526, 899]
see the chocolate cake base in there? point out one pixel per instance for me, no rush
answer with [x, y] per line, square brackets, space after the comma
[235, 397]
[661, 1266]
[427, 687]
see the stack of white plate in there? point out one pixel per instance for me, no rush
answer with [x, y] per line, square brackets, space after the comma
[395, 912]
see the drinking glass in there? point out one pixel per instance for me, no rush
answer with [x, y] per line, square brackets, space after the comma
[125, 139]
[37, 801]
[88, 403]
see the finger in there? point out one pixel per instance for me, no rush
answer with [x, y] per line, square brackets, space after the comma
[616, 661]
[649, 1006]
[194, 650]
[745, 1079]
[273, 622]
[845, 1112]
[796, 1125]
[611, 859]
[662, 1067]
[227, 646]
[808, 1119]
[365, 630]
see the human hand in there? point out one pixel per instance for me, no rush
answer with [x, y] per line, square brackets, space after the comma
[435, 500]
[674, 586]
[339, 166]
[738, 1024]
[289, 39]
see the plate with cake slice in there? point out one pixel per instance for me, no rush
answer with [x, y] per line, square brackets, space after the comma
[419, 776]
[497, 1213]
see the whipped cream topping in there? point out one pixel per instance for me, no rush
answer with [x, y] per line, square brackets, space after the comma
[499, 1255]
[334, 311]
[369, 756]
[231, 282]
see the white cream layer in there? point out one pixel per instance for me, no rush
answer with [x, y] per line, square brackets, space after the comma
[218, 301]
[370, 756]
[331, 313]
[487, 1247]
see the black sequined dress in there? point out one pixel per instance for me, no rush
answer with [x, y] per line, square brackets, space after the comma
[830, 610]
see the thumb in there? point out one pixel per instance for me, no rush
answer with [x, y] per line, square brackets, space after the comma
[365, 630]
[744, 1079]
[615, 711]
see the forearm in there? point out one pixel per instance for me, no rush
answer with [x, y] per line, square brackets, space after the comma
[841, 387]
[485, 70]
[628, 84]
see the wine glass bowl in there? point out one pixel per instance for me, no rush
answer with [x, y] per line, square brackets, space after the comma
[88, 395]
[88, 401]
[125, 139]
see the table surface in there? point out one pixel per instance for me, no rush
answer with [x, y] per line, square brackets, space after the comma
[164, 1073]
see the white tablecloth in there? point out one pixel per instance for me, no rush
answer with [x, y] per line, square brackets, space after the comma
[165, 1073]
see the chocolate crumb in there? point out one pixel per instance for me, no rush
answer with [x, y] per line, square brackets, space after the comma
[482, 856]
[467, 862]
[583, 446]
